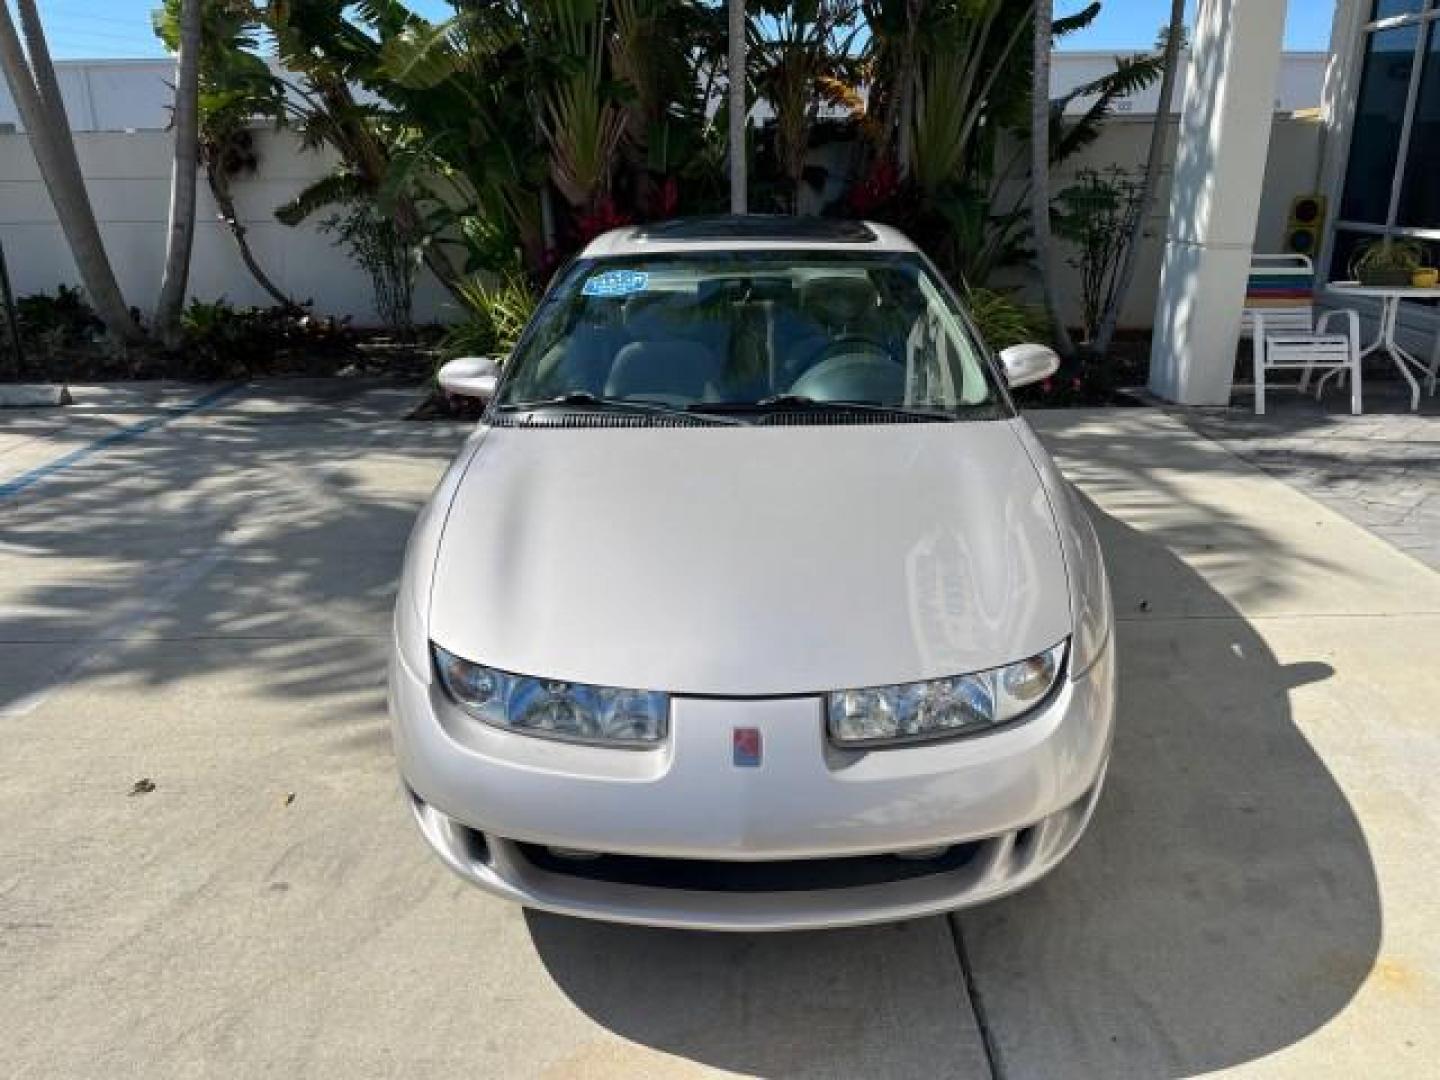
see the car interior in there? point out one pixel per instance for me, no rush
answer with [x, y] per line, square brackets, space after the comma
[825, 335]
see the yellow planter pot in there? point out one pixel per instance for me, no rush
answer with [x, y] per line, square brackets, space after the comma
[1425, 278]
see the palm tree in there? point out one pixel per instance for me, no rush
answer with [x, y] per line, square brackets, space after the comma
[735, 73]
[581, 122]
[180, 237]
[236, 88]
[32, 83]
[1040, 169]
[331, 54]
[801, 63]
[1172, 37]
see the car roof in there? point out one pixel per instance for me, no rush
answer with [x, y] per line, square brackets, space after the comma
[749, 232]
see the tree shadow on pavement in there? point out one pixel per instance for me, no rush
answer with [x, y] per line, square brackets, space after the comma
[260, 536]
[1223, 905]
[225, 583]
[883, 1001]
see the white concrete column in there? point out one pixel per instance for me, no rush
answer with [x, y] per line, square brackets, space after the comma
[1215, 197]
[1337, 107]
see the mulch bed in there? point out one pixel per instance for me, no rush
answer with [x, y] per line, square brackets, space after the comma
[356, 353]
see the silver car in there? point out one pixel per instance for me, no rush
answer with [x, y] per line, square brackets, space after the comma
[751, 603]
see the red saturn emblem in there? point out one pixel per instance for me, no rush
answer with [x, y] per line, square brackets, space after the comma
[748, 747]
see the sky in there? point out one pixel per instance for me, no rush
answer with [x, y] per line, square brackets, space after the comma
[87, 29]
[1134, 24]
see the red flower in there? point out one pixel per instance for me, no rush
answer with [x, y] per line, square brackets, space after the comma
[601, 219]
[665, 200]
[880, 187]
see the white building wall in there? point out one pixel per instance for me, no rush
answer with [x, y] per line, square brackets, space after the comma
[1292, 170]
[128, 176]
[108, 95]
[1300, 85]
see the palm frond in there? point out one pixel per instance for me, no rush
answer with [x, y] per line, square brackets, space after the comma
[1071, 24]
[329, 190]
[1132, 74]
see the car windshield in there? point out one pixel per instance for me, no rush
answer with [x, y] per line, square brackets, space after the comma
[731, 333]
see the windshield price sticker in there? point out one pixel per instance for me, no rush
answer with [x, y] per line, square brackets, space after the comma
[617, 283]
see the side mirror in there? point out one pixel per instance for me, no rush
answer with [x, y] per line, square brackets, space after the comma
[470, 376]
[1026, 364]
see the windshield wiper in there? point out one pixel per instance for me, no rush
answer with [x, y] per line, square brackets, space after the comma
[779, 403]
[585, 400]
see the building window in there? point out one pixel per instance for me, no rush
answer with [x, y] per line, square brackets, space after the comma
[1420, 196]
[1390, 187]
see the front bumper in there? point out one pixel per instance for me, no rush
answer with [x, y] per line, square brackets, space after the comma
[1007, 807]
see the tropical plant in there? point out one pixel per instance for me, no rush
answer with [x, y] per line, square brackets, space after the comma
[664, 60]
[1097, 216]
[222, 340]
[500, 129]
[801, 57]
[1004, 321]
[950, 78]
[951, 94]
[387, 255]
[510, 133]
[450, 145]
[581, 121]
[53, 324]
[1387, 260]
[31, 78]
[948, 122]
[331, 55]
[497, 313]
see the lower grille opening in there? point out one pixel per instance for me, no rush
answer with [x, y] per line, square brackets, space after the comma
[475, 844]
[1024, 839]
[779, 875]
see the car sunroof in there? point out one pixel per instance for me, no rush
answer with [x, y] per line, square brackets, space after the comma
[758, 227]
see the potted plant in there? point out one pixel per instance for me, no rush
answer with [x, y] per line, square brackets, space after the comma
[1387, 260]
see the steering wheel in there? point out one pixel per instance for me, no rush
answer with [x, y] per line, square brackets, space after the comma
[853, 367]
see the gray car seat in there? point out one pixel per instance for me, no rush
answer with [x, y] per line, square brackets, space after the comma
[830, 307]
[676, 372]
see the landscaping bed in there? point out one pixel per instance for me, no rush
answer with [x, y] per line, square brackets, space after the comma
[62, 342]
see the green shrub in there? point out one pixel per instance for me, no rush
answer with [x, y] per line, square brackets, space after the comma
[1004, 321]
[497, 315]
[63, 321]
[386, 254]
[1097, 215]
[1387, 260]
[221, 340]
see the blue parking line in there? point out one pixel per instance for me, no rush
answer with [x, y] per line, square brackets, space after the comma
[115, 438]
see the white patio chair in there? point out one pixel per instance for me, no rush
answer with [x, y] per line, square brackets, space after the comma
[1280, 318]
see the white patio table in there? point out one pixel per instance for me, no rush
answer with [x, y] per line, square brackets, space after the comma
[1390, 297]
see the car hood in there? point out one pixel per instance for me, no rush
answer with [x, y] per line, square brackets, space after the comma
[750, 561]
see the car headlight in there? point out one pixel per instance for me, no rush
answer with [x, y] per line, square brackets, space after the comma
[576, 712]
[941, 708]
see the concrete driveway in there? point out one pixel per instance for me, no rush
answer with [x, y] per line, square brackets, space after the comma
[194, 595]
